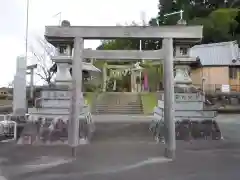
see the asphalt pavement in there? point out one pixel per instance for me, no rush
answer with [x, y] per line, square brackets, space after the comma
[129, 157]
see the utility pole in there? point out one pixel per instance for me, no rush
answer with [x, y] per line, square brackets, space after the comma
[181, 20]
[143, 15]
[26, 40]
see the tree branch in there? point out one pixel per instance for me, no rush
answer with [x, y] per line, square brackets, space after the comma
[43, 68]
[43, 78]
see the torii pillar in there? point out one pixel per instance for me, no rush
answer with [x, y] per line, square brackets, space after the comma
[31, 68]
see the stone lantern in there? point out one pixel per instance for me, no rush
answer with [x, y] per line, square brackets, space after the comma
[64, 50]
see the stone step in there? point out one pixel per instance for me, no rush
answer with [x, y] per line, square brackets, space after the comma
[184, 105]
[119, 103]
[188, 113]
[182, 118]
[57, 110]
[116, 111]
[63, 103]
[119, 110]
[61, 111]
[55, 103]
[119, 106]
[50, 115]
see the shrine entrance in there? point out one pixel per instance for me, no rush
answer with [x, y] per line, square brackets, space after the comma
[123, 78]
[75, 35]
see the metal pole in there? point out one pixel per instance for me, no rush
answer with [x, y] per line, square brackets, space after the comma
[173, 13]
[140, 48]
[60, 18]
[26, 43]
[181, 14]
[31, 84]
[76, 101]
[169, 98]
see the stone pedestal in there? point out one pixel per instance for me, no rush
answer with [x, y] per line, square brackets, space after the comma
[192, 121]
[60, 110]
[50, 117]
[54, 102]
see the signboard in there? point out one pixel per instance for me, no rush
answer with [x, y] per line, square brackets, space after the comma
[225, 88]
[189, 97]
[160, 104]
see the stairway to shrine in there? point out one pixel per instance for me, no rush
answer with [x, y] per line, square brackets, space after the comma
[118, 103]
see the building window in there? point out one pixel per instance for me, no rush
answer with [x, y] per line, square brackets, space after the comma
[183, 51]
[63, 49]
[88, 60]
[234, 72]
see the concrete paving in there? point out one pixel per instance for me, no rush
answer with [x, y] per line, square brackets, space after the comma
[230, 126]
[127, 158]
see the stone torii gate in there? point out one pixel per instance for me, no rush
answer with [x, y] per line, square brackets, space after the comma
[75, 36]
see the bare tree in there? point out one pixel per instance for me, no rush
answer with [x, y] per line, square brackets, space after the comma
[10, 84]
[42, 51]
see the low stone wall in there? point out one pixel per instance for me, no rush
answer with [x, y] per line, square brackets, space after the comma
[224, 98]
[5, 109]
[224, 102]
[47, 132]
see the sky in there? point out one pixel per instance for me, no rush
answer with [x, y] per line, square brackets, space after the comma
[42, 13]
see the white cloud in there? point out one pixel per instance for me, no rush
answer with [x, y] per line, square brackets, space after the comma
[78, 12]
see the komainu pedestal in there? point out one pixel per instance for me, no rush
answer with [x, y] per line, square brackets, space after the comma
[48, 120]
[192, 120]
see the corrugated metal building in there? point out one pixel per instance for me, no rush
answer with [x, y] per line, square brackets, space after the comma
[217, 54]
[220, 65]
